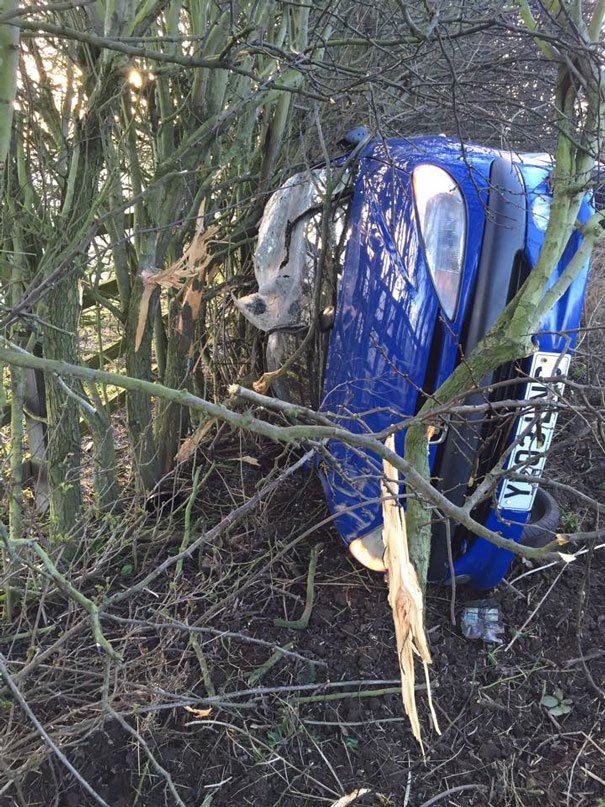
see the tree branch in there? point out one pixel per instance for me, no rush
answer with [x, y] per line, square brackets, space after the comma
[281, 434]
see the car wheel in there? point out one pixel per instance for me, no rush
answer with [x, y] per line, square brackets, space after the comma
[543, 522]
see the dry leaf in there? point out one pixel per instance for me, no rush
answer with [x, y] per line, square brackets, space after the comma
[201, 713]
[189, 445]
[264, 382]
[250, 461]
[351, 797]
[192, 263]
[405, 597]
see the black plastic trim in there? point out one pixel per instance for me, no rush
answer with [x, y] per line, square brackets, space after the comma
[504, 237]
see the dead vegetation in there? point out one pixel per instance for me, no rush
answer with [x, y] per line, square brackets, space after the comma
[214, 702]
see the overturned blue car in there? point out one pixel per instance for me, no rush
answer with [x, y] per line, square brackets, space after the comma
[379, 274]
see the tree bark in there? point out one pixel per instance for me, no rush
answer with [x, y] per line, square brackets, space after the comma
[9, 60]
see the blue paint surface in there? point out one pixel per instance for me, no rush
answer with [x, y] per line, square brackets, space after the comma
[383, 342]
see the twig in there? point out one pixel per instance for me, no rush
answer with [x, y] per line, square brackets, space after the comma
[89, 606]
[187, 527]
[134, 733]
[549, 565]
[232, 518]
[201, 658]
[219, 634]
[303, 622]
[43, 655]
[450, 792]
[261, 692]
[245, 732]
[34, 9]
[17, 637]
[534, 612]
[352, 723]
[584, 589]
[364, 693]
[591, 656]
[259, 672]
[43, 733]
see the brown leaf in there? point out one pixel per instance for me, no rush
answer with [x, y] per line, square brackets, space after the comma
[250, 460]
[189, 445]
[201, 713]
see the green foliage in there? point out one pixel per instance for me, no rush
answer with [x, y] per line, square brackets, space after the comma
[275, 738]
[557, 704]
[570, 521]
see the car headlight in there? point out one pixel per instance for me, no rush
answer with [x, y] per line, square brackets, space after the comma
[441, 216]
[540, 211]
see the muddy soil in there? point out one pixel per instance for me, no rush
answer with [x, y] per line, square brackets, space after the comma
[320, 724]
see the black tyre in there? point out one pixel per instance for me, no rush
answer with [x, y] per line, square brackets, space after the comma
[544, 520]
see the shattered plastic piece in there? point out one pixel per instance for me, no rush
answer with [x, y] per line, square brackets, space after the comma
[482, 620]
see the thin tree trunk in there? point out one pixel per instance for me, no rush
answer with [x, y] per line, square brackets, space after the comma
[64, 457]
[138, 406]
[9, 59]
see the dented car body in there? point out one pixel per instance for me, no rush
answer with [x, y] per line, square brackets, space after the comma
[426, 241]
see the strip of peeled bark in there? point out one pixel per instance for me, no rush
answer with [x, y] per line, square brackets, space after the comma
[405, 597]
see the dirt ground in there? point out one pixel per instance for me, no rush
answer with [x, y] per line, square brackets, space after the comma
[320, 724]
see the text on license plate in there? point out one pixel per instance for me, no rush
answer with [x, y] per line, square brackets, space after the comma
[529, 456]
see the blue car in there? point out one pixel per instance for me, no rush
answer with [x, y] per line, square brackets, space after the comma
[427, 240]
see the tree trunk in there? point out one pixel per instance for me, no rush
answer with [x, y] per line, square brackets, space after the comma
[9, 60]
[138, 406]
[171, 418]
[60, 342]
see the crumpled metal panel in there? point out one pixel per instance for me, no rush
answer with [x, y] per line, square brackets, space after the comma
[285, 259]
